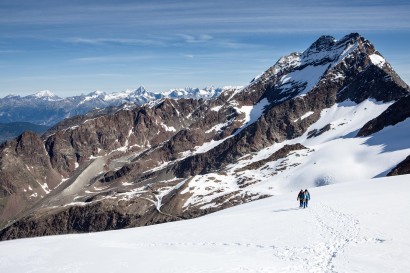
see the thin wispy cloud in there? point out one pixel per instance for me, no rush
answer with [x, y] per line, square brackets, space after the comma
[110, 59]
[9, 51]
[191, 39]
[62, 76]
[225, 40]
[124, 41]
[215, 17]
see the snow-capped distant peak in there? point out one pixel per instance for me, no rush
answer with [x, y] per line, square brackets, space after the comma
[195, 93]
[97, 93]
[45, 94]
[141, 90]
[11, 96]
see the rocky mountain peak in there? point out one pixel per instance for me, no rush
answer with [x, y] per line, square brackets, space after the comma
[30, 144]
[324, 43]
[299, 73]
[141, 90]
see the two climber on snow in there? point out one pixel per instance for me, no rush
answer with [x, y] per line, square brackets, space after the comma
[303, 197]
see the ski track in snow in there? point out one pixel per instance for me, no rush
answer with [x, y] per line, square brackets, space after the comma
[338, 230]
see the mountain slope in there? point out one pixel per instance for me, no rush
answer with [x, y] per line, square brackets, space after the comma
[341, 231]
[294, 126]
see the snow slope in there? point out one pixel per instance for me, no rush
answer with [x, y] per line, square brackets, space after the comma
[335, 156]
[352, 227]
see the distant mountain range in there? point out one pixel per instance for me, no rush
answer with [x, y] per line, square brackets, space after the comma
[45, 108]
[13, 129]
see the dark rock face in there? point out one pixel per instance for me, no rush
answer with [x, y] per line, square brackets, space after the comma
[132, 166]
[316, 132]
[30, 161]
[25, 168]
[100, 216]
[402, 168]
[397, 112]
[372, 83]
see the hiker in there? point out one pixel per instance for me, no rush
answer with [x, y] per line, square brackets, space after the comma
[300, 198]
[306, 198]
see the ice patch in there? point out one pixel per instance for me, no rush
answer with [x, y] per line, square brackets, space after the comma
[349, 48]
[216, 108]
[304, 116]
[304, 79]
[218, 127]
[252, 113]
[168, 128]
[208, 146]
[377, 60]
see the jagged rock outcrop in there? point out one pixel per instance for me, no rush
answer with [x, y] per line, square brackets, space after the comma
[397, 112]
[104, 215]
[402, 168]
[26, 173]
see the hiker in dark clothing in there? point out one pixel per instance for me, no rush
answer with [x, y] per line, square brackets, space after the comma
[306, 198]
[300, 198]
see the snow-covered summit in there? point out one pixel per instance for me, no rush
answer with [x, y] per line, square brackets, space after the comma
[298, 73]
[189, 92]
[97, 93]
[46, 95]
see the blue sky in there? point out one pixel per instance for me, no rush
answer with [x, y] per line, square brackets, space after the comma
[73, 47]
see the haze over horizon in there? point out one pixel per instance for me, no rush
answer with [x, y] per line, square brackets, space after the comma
[72, 47]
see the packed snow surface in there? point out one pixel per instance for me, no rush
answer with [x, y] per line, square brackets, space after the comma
[360, 226]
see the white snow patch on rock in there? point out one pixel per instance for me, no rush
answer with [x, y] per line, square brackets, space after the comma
[168, 128]
[216, 108]
[377, 60]
[304, 116]
[208, 146]
[252, 113]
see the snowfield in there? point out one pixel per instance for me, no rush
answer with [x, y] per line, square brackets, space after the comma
[332, 157]
[359, 226]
